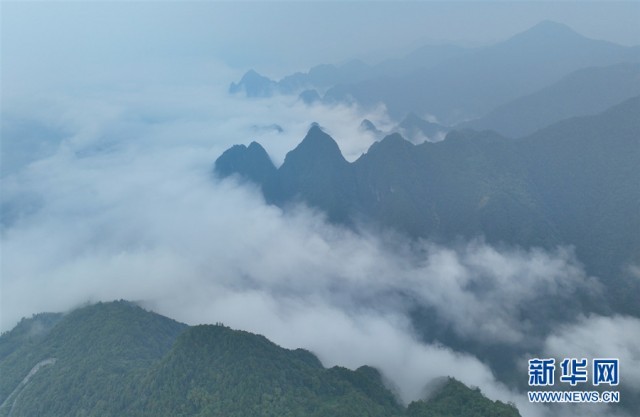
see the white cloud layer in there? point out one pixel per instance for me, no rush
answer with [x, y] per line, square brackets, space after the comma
[601, 337]
[122, 205]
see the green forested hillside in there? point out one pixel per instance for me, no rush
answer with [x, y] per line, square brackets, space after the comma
[216, 371]
[455, 399]
[116, 359]
[99, 351]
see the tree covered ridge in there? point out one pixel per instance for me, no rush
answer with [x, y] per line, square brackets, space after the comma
[116, 359]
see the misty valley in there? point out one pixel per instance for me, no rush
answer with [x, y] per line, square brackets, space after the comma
[406, 234]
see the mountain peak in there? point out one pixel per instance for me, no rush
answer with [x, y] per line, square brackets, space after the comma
[316, 146]
[254, 85]
[309, 96]
[255, 147]
[551, 25]
[548, 30]
[367, 126]
[314, 125]
[412, 120]
[317, 137]
[417, 129]
[252, 75]
[395, 138]
[251, 162]
[390, 144]
[316, 172]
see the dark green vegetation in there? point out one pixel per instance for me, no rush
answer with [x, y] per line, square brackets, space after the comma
[454, 399]
[100, 352]
[573, 183]
[116, 359]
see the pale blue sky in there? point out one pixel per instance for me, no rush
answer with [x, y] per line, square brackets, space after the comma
[275, 38]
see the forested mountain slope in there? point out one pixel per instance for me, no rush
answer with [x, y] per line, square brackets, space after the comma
[116, 359]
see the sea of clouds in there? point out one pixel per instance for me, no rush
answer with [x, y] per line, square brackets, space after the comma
[108, 193]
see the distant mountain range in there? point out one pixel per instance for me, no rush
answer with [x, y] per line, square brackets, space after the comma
[584, 92]
[116, 359]
[573, 183]
[453, 84]
[413, 128]
[322, 77]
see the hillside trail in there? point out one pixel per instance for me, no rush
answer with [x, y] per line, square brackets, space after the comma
[15, 394]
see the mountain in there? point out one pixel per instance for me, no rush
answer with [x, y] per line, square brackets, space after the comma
[310, 97]
[423, 190]
[250, 162]
[413, 128]
[324, 76]
[89, 361]
[471, 84]
[319, 77]
[584, 169]
[367, 126]
[317, 166]
[233, 373]
[583, 92]
[114, 359]
[417, 129]
[253, 85]
[573, 183]
[28, 332]
[455, 399]
[457, 84]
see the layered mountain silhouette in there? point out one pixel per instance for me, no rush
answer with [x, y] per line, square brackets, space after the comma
[417, 129]
[458, 84]
[583, 92]
[413, 128]
[322, 77]
[367, 126]
[472, 84]
[250, 162]
[573, 183]
[115, 359]
[310, 97]
[254, 85]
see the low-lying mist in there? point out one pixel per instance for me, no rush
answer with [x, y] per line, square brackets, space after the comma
[113, 197]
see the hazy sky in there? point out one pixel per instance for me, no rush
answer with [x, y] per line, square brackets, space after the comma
[50, 41]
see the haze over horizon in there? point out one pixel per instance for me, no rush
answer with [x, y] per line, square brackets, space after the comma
[70, 42]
